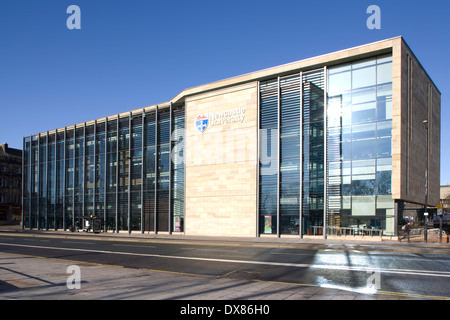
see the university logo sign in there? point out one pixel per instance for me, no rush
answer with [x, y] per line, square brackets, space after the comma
[201, 122]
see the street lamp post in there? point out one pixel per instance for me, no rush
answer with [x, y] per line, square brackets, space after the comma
[425, 236]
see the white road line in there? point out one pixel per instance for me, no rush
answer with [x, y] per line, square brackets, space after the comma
[77, 242]
[428, 273]
[131, 245]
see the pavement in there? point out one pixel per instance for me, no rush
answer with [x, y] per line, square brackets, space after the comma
[24, 277]
[29, 277]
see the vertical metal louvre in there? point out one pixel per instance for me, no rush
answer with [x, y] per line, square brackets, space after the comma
[163, 170]
[177, 176]
[313, 152]
[136, 171]
[268, 170]
[290, 140]
[149, 171]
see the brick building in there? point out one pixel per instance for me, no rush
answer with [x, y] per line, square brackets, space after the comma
[10, 185]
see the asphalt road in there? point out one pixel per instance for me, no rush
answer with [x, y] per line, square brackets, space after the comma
[368, 272]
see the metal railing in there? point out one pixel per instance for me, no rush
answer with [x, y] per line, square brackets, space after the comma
[347, 231]
[418, 232]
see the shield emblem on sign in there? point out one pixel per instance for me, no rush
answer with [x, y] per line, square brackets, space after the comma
[201, 122]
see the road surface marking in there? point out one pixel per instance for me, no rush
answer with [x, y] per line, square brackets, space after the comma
[428, 273]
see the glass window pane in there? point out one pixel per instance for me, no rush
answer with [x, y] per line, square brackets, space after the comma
[384, 73]
[363, 185]
[384, 164]
[383, 59]
[363, 149]
[346, 115]
[346, 202]
[346, 168]
[334, 111]
[384, 147]
[362, 113]
[384, 182]
[364, 77]
[384, 129]
[346, 150]
[363, 63]
[340, 68]
[364, 131]
[363, 167]
[340, 82]
[384, 108]
[385, 202]
[384, 89]
[363, 205]
[364, 95]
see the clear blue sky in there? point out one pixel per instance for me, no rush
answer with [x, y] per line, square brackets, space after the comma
[135, 53]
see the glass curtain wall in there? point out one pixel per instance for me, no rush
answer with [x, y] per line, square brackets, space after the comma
[313, 152]
[123, 157]
[51, 204]
[89, 171]
[149, 171]
[268, 165]
[42, 196]
[359, 145]
[100, 167]
[177, 167]
[136, 172]
[60, 174]
[163, 170]
[291, 169]
[78, 196]
[69, 176]
[111, 174]
[127, 171]
[290, 143]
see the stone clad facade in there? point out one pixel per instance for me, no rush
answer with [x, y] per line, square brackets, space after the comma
[221, 162]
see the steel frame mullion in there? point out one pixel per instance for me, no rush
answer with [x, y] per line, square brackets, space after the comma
[142, 170]
[278, 155]
[94, 202]
[170, 169]
[84, 171]
[38, 177]
[55, 176]
[325, 145]
[130, 134]
[64, 180]
[105, 177]
[301, 158]
[156, 170]
[29, 183]
[73, 173]
[46, 181]
[117, 174]
[258, 161]
[23, 180]
[55, 224]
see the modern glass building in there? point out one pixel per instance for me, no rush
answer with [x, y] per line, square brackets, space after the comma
[318, 147]
[117, 169]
